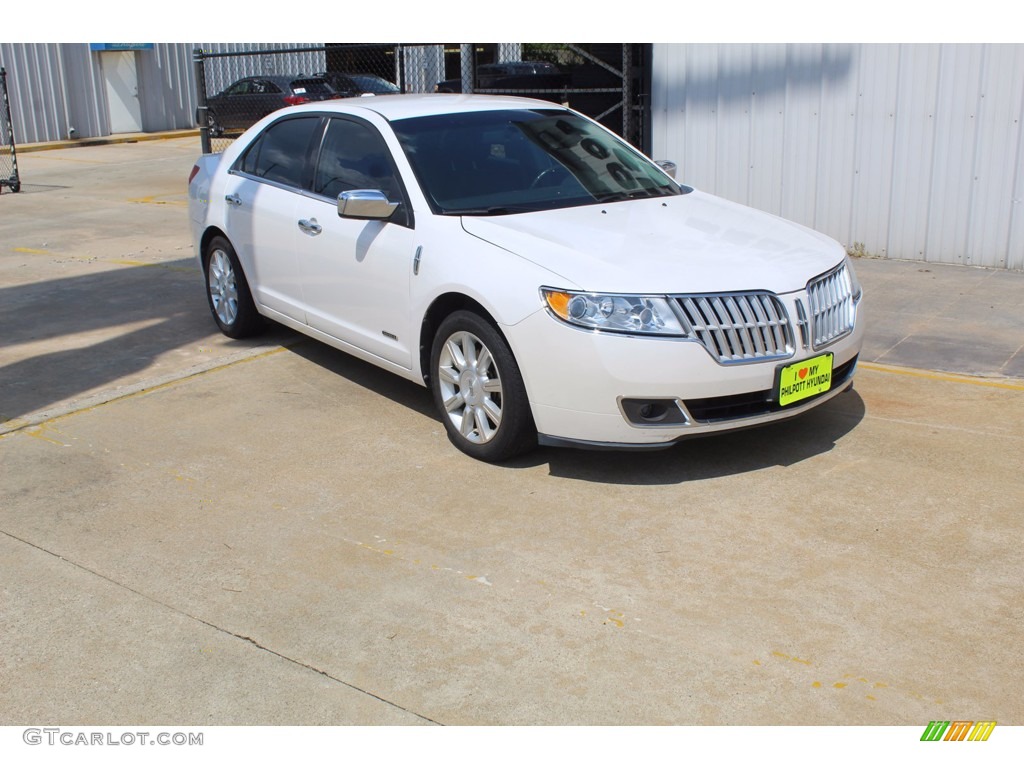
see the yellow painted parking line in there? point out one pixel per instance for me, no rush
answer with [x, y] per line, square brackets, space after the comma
[62, 158]
[160, 264]
[23, 425]
[94, 259]
[155, 199]
[977, 381]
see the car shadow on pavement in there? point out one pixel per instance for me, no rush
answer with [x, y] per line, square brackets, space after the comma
[366, 375]
[781, 444]
[735, 453]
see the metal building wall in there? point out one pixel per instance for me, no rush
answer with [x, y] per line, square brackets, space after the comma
[45, 101]
[900, 151]
[55, 87]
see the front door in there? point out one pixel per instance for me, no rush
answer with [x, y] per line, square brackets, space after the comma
[356, 274]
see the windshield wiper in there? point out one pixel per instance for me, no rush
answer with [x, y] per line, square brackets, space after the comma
[494, 210]
[639, 194]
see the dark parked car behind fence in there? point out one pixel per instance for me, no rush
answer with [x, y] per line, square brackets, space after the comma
[248, 100]
[537, 79]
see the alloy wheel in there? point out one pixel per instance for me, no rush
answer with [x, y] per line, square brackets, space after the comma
[470, 387]
[223, 287]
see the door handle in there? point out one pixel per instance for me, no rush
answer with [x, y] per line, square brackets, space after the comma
[310, 227]
[232, 199]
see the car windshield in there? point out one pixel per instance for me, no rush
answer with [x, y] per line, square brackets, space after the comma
[374, 84]
[513, 161]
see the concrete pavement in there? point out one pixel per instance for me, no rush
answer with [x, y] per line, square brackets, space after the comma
[199, 530]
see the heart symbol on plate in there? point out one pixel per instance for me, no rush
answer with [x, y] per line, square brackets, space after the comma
[803, 373]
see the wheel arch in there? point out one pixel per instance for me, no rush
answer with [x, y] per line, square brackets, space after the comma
[204, 242]
[439, 309]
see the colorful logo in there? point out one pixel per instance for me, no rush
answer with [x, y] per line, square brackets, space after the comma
[958, 730]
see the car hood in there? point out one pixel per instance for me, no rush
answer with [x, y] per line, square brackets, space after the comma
[692, 243]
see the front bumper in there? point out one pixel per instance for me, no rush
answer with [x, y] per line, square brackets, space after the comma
[584, 387]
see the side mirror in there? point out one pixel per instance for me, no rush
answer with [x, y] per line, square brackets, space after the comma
[667, 166]
[365, 204]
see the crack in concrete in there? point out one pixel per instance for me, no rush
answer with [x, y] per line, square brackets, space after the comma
[223, 630]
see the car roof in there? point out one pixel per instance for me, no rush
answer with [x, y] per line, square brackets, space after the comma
[282, 79]
[518, 66]
[401, 106]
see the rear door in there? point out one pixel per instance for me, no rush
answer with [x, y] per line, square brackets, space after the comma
[263, 192]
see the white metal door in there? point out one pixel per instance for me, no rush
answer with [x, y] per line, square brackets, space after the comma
[121, 78]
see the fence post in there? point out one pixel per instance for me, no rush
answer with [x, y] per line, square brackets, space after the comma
[202, 110]
[627, 95]
[14, 180]
[467, 65]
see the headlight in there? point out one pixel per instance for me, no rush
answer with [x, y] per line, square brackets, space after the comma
[613, 312]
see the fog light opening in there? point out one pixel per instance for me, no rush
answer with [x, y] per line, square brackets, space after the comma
[653, 412]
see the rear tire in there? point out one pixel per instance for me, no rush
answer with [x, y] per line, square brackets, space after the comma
[479, 391]
[211, 123]
[228, 292]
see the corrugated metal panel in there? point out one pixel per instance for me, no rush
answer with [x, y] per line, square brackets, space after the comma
[905, 151]
[955, 146]
[996, 172]
[875, 109]
[796, 94]
[913, 151]
[167, 87]
[81, 78]
[768, 123]
[32, 115]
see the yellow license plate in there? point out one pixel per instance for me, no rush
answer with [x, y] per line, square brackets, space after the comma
[798, 381]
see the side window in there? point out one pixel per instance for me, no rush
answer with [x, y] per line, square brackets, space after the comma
[281, 151]
[354, 156]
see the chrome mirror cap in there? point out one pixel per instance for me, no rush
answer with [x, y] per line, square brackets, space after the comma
[365, 204]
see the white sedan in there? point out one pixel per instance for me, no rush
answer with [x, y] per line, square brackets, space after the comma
[547, 281]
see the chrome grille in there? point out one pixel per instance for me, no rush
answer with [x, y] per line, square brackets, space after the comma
[832, 306]
[739, 327]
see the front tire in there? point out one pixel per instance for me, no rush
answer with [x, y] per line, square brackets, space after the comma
[228, 292]
[479, 391]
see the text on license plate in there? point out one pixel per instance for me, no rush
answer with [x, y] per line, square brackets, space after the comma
[807, 378]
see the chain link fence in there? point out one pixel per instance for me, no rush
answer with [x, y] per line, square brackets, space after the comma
[8, 158]
[238, 88]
